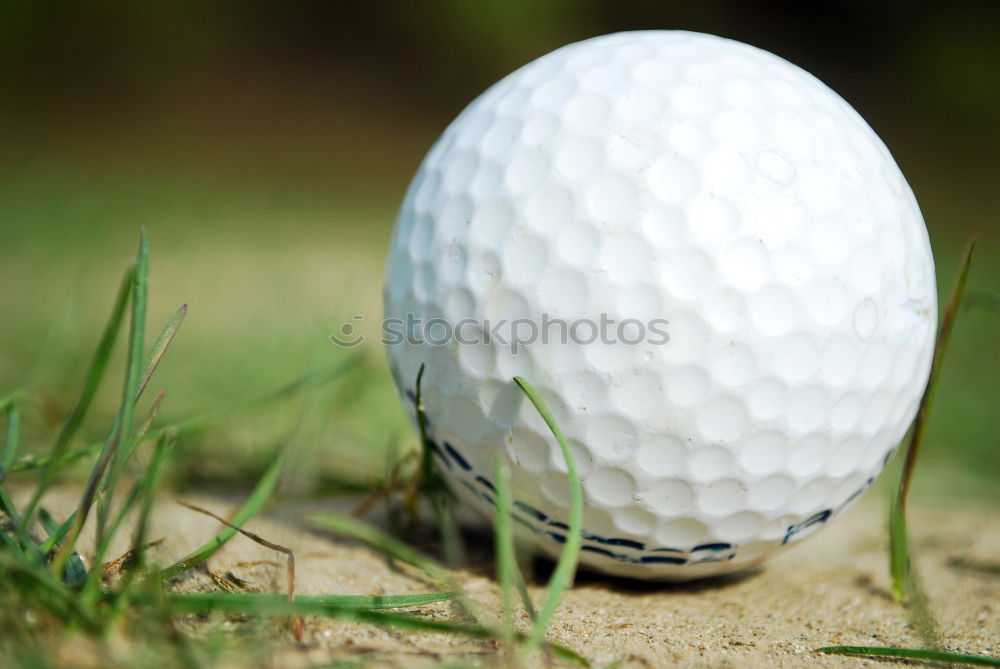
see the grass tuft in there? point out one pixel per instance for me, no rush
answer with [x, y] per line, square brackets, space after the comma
[47, 576]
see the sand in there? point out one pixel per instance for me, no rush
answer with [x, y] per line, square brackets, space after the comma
[830, 590]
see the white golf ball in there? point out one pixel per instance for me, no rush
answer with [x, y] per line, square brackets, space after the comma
[709, 266]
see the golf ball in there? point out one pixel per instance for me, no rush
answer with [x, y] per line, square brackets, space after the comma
[708, 265]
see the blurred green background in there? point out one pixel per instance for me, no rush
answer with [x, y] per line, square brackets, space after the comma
[266, 146]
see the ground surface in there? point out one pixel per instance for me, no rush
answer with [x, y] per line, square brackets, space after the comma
[831, 589]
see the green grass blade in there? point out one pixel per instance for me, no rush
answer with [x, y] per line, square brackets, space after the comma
[151, 482]
[522, 590]
[562, 576]
[899, 561]
[917, 607]
[130, 389]
[427, 461]
[261, 493]
[92, 379]
[912, 654]
[430, 483]
[279, 604]
[503, 537]
[160, 346]
[9, 406]
[57, 533]
[25, 546]
[7, 506]
[10, 545]
[75, 573]
[453, 548]
[899, 549]
[33, 462]
[356, 529]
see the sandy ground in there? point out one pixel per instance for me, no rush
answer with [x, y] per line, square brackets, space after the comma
[829, 590]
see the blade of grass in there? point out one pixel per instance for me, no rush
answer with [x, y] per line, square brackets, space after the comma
[57, 533]
[562, 576]
[522, 590]
[126, 563]
[161, 344]
[164, 446]
[23, 544]
[10, 545]
[354, 528]
[75, 574]
[899, 560]
[261, 493]
[912, 654]
[503, 537]
[92, 379]
[9, 406]
[452, 545]
[427, 464]
[429, 482]
[130, 389]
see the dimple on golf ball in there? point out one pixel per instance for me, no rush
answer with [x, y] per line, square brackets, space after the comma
[711, 269]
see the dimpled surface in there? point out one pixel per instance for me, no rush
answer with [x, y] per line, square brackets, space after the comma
[677, 176]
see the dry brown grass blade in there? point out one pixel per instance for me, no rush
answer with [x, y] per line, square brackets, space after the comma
[127, 559]
[296, 624]
[948, 316]
[394, 482]
[378, 494]
[255, 563]
[229, 582]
